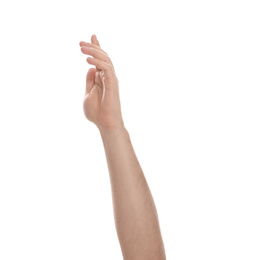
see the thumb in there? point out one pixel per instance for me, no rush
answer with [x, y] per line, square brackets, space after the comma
[90, 80]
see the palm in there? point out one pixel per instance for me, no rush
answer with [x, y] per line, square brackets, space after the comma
[101, 104]
[92, 100]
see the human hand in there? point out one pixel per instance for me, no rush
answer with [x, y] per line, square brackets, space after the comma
[101, 101]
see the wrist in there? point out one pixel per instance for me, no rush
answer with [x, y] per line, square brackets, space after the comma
[112, 131]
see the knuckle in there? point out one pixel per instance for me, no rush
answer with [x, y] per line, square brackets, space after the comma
[109, 66]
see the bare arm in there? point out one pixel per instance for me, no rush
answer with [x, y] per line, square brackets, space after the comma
[135, 214]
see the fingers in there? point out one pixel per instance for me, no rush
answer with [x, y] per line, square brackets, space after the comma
[97, 54]
[95, 45]
[102, 65]
[99, 58]
[91, 45]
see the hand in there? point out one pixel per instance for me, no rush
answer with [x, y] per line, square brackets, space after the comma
[101, 101]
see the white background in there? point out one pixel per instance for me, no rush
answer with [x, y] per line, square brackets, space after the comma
[189, 78]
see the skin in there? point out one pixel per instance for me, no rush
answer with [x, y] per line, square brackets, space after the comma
[135, 214]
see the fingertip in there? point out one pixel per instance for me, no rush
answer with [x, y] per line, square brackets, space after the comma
[83, 49]
[93, 38]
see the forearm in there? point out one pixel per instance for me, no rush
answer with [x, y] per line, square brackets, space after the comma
[135, 213]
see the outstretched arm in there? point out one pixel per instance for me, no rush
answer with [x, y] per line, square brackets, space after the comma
[135, 214]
